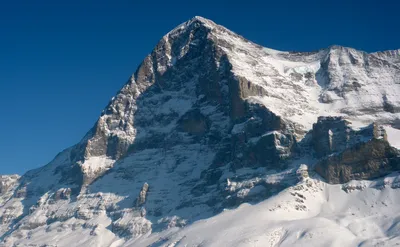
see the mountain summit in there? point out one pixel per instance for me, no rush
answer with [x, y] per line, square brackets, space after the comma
[210, 121]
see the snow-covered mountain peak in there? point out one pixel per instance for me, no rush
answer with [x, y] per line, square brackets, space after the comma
[195, 21]
[209, 121]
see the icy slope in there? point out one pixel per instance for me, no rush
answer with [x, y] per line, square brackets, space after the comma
[311, 213]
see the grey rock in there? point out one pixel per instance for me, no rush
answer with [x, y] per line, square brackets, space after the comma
[302, 172]
[7, 182]
[63, 194]
[334, 134]
[142, 195]
[368, 160]
[347, 154]
[330, 135]
[194, 122]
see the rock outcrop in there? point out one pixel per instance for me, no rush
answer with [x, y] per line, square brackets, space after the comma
[7, 182]
[331, 135]
[142, 195]
[347, 154]
[62, 194]
[369, 160]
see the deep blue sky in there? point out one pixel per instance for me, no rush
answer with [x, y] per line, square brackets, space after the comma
[60, 63]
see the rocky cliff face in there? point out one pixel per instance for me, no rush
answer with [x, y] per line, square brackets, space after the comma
[210, 120]
[369, 160]
[347, 154]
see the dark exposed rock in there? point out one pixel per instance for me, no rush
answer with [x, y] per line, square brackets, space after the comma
[272, 148]
[369, 160]
[157, 140]
[264, 139]
[330, 135]
[334, 134]
[348, 154]
[142, 195]
[63, 194]
[388, 106]
[21, 192]
[325, 98]
[239, 89]
[194, 122]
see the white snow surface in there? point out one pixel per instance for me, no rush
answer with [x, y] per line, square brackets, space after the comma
[393, 136]
[302, 86]
[311, 213]
[96, 164]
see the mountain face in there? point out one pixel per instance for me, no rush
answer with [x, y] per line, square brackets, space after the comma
[209, 121]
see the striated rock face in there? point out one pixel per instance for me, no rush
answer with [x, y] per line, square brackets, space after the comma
[369, 160]
[347, 154]
[262, 139]
[335, 134]
[210, 120]
[331, 135]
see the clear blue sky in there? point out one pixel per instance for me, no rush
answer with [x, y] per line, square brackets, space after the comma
[60, 63]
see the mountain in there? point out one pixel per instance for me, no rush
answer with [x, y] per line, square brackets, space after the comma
[217, 141]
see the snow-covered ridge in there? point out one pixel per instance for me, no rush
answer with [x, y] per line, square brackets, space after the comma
[334, 81]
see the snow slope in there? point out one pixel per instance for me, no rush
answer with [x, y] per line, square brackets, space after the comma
[311, 213]
[337, 81]
[393, 136]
